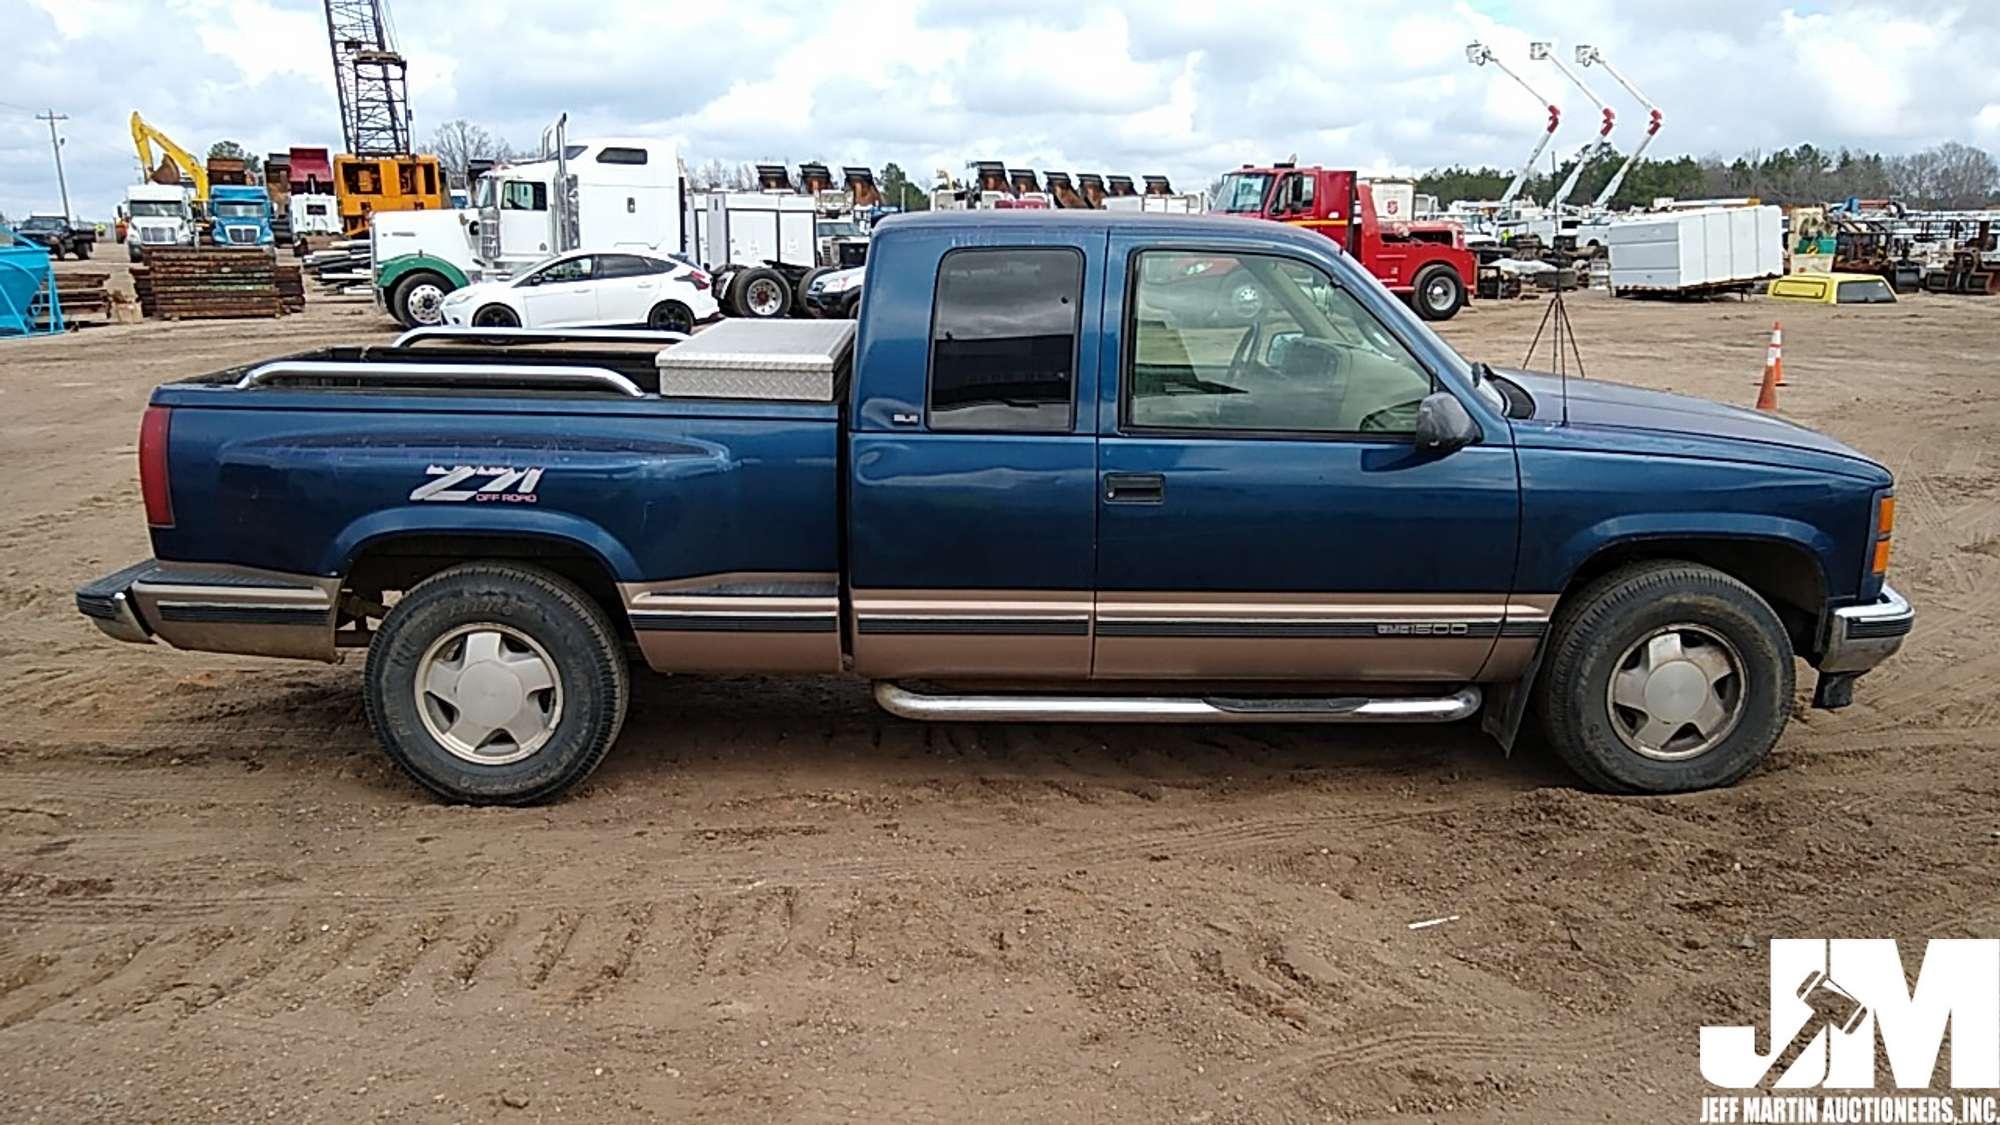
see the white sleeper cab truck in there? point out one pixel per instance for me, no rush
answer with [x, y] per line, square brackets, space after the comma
[621, 194]
[158, 215]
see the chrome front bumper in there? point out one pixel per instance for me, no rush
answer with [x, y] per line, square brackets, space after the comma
[1861, 636]
[207, 607]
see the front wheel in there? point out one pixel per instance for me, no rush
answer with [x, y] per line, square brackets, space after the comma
[495, 316]
[493, 684]
[1438, 293]
[1666, 677]
[82, 251]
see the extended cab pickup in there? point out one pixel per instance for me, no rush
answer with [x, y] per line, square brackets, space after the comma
[1065, 467]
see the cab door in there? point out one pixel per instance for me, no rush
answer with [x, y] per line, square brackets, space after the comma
[972, 458]
[560, 294]
[1263, 511]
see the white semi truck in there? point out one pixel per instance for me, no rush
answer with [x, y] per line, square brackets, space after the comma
[158, 215]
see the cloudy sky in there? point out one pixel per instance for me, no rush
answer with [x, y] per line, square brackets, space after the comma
[1176, 86]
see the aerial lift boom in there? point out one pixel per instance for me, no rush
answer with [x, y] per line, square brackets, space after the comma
[144, 137]
[1584, 155]
[1479, 54]
[1590, 56]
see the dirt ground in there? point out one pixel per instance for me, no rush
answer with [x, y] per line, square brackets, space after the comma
[218, 901]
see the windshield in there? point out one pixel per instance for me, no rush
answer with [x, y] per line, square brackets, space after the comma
[230, 210]
[1241, 193]
[42, 222]
[837, 229]
[157, 209]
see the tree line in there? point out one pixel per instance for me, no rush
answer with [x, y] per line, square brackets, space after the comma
[1950, 176]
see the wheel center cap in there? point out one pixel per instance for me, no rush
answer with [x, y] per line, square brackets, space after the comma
[1676, 691]
[489, 694]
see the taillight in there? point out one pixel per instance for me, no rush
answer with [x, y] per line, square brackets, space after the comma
[1885, 527]
[698, 279]
[153, 466]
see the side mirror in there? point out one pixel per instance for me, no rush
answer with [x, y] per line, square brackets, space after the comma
[1280, 347]
[1443, 424]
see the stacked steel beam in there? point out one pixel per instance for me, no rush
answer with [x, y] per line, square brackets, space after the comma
[208, 284]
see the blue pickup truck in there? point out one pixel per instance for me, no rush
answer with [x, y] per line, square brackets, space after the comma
[1064, 467]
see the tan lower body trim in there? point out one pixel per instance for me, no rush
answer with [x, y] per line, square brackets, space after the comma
[975, 634]
[742, 622]
[1397, 638]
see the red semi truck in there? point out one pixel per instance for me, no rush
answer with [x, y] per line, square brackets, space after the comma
[1426, 263]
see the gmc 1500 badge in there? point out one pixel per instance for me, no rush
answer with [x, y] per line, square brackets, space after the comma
[502, 484]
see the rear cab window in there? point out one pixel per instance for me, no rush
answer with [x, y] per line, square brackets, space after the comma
[1003, 351]
[1867, 291]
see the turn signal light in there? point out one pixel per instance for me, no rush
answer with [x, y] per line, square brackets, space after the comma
[1885, 525]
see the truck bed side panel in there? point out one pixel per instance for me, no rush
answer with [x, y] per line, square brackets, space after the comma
[657, 494]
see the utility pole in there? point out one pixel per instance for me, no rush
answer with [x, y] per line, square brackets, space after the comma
[55, 144]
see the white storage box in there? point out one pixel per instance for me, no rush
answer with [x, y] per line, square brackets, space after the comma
[783, 360]
[1689, 250]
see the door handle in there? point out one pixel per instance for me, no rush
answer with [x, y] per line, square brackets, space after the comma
[1135, 488]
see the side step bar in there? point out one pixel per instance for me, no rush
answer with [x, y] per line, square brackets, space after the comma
[1008, 708]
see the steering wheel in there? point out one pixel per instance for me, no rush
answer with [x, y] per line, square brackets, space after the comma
[1246, 348]
[1396, 418]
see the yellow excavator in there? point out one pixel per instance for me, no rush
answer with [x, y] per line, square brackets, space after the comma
[144, 137]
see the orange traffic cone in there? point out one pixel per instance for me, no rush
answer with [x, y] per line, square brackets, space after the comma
[1774, 371]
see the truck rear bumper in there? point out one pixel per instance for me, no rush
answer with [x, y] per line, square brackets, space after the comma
[208, 607]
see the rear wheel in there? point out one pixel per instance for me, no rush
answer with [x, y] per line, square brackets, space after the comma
[496, 684]
[495, 316]
[82, 250]
[417, 300]
[1664, 678]
[1438, 292]
[760, 293]
[670, 316]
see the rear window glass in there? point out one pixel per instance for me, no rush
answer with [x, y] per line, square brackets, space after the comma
[1003, 340]
[616, 155]
[1873, 291]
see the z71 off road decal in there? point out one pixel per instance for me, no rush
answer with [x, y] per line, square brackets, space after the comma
[483, 483]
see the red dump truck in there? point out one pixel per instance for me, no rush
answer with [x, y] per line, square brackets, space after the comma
[1425, 263]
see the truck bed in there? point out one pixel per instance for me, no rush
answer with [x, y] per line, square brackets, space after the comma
[306, 465]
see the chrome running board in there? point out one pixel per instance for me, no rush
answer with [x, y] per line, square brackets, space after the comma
[1008, 708]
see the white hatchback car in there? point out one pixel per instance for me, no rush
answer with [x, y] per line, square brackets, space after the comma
[589, 289]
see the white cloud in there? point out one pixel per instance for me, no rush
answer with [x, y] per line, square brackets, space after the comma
[1185, 87]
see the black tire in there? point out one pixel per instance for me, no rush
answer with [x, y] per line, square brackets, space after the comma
[82, 251]
[746, 289]
[590, 672]
[410, 298]
[495, 316]
[806, 284]
[1438, 292]
[670, 316]
[1600, 624]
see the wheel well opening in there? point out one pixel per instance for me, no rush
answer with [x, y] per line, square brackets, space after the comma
[1785, 575]
[397, 563]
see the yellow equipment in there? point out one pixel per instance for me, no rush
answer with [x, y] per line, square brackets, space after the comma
[363, 185]
[144, 136]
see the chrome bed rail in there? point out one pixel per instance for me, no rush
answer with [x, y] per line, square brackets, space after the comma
[539, 376]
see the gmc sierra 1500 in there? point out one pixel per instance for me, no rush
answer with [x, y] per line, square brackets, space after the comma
[1067, 466]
